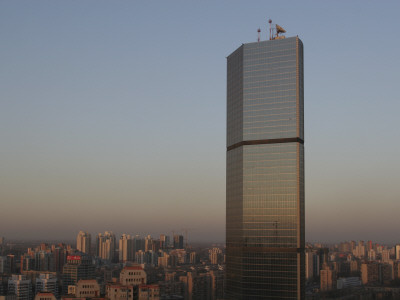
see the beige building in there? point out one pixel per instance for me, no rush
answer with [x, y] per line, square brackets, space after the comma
[354, 266]
[386, 256]
[149, 292]
[83, 242]
[397, 252]
[133, 275]
[369, 273]
[45, 296]
[125, 248]
[196, 286]
[327, 279]
[217, 284]
[105, 245]
[8, 297]
[87, 289]
[309, 265]
[132, 286]
[214, 255]
[120, 292]
[373, 273]
[163, 261]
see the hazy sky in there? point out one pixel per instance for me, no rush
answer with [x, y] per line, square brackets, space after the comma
[113, 115]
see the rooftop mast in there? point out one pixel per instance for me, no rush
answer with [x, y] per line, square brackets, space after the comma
[270, 29]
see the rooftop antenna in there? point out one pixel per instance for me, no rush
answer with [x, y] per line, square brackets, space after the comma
[270, 29]
[259, 31]
[279, 30]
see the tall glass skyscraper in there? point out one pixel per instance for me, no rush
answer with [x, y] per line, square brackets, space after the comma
[265, 171]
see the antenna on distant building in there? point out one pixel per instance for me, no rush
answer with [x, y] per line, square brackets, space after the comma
[259, 32]
[270, 29]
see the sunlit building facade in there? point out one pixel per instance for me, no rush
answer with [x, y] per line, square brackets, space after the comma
[265, 171]
[83, 242]
[105, 245]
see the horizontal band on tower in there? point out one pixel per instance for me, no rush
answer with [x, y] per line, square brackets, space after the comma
[266, 249]
[264, 142]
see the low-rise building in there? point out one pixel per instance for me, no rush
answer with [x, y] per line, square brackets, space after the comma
[45, 296]
[348, 282]
[149, 292]
[133, 275]
[88, 288]
[120, 292]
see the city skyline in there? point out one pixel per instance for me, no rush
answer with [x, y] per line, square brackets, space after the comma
[113, 116]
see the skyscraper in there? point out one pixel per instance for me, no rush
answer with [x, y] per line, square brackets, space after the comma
[265, 171]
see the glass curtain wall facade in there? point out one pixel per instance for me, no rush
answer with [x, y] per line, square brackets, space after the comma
[265, 171]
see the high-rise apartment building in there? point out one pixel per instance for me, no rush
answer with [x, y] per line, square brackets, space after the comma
[309, 265]
[149, 243]
[105, 245]
[3, 264]
[20, 286]
[47, 283]
[265, 171]
[83, 242]
[77, 267]
[164, 241]
[178, 241]
[327, 279]
[397, 252]
[126, 248]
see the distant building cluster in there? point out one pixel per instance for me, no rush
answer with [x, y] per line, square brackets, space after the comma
[130, 268]
[147, 268]
[363, 268]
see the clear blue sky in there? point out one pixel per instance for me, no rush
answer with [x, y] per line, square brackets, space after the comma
[113, 115]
